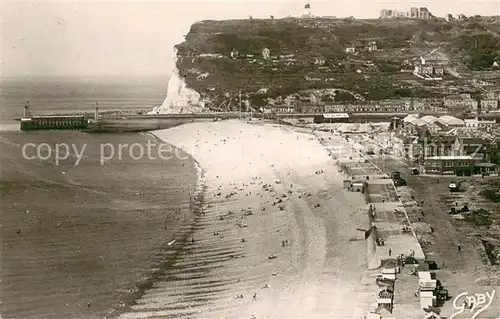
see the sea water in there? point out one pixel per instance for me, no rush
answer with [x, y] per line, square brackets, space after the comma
[77, 239]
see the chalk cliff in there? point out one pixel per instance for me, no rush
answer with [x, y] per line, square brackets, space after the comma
[273, 63]
[180, 98]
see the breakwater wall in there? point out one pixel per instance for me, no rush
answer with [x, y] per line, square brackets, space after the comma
[54, 122]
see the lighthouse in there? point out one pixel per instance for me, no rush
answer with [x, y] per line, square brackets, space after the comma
[96, 111]
[26, 109]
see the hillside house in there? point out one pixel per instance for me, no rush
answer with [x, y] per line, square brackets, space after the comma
[266, 53]
[391, 14]
[372, 46]
[424, 14]
[462, 17]
[234, 54]
[429, 67]
[350, 49]
[448, 17]
[319, 61]
[413, 14]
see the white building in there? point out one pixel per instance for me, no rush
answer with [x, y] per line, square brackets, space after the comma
[350, 49]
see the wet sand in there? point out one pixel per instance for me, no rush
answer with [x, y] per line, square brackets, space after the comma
[278, 230]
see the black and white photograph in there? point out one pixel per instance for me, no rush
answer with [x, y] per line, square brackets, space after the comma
[250, 159]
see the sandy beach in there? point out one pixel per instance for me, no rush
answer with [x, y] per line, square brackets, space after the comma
[277, 237]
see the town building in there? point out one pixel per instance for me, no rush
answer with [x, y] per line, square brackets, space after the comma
[479, 148]
[391, 14]
[234, 54]
[424, 14]
[404, 146]
[332, 118]
[493, 95]
[266, 53]
[459, 103]
[428, 67]
[372, 46]
[350, 49]
[278, 109]
[488, 105]
[462, 17]
[448, 17]
[476, 124]
[450, 165]
[414, 13]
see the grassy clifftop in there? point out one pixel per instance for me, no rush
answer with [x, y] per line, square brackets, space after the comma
[308, 60]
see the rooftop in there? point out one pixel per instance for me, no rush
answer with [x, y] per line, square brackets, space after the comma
[414, 120]
[429, 119]
[450, 120]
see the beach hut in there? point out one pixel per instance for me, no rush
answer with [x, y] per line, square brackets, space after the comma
[389, 273]
[357, 186]
[347, 183]
[425, 281]
[386, 293]
[427, 299]
[432, 313]
[373, 315]
[384, 307]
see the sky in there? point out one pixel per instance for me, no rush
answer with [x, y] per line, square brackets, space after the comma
[136, 38]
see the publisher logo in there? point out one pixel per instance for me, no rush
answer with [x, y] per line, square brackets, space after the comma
[473, 304]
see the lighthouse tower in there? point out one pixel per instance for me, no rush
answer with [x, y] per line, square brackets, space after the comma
[26, 112]
[96, 111]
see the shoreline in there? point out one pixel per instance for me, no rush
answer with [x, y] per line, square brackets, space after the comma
[250, 210]
[174, 246]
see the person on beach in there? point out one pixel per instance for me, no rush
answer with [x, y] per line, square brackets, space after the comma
[459, 247]
[255, 296]
[390, 252]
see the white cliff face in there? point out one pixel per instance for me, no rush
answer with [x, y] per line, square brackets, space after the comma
[180, 98]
